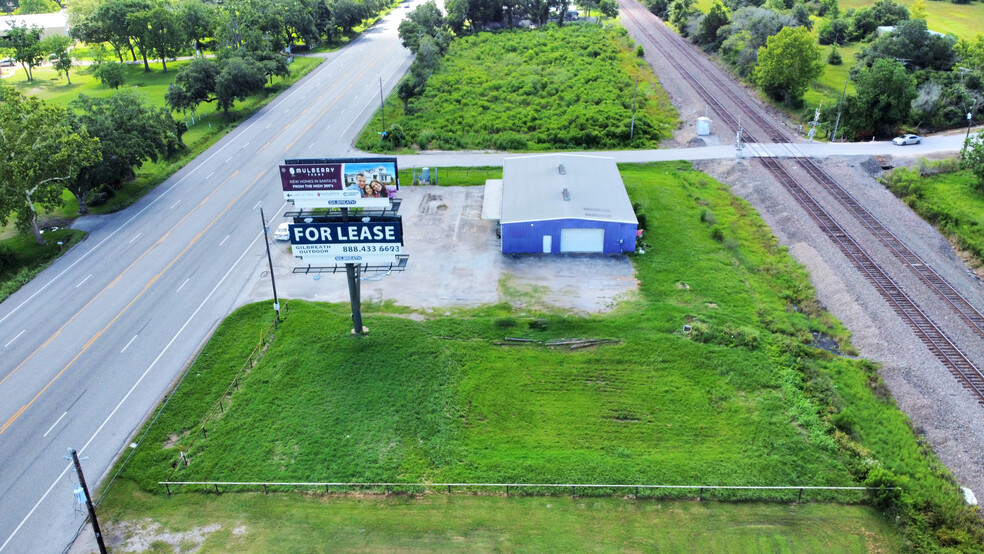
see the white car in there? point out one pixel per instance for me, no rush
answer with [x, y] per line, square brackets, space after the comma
[282, 232]
[906, 139]
[7, 62]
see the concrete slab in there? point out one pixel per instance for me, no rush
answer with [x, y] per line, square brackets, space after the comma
[455, 261]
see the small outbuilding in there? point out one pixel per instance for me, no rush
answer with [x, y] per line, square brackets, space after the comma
[560, 203]
[50, 23]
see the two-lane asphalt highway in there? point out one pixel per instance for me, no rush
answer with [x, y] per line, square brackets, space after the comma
[91, 345]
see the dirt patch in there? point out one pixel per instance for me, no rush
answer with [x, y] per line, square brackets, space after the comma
[148, 535]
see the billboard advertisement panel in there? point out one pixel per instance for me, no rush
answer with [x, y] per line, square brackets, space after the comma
[340, 183]
[358, 242]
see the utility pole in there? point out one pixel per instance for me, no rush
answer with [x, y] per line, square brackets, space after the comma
[839, 105]
[273, 280]
[634, 95]
[382, 105]
[88, 500]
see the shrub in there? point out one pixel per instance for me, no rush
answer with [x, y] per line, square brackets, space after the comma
[834, 58]
[639, 51]
[7, 257]
[509, 141]
[717, 233]
[396, 136]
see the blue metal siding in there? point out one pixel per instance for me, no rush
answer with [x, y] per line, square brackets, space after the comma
[527, 237]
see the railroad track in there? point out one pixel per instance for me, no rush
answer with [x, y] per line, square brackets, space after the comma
[927, 331]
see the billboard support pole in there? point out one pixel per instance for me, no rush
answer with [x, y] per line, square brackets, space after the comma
[353, 272]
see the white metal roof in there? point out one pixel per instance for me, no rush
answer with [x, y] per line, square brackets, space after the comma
[533, 189]
[57, 20]
[492, 203]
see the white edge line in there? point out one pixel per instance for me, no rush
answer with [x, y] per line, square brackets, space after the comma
[116, 409]
[15, 338]
[129, 343]
[53, 425]
[118, 229]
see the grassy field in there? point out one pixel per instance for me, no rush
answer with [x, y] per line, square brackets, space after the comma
[27, 258]
[553, 88]
[963, 20]
[742, 399]
[259, 523]
[951, 202]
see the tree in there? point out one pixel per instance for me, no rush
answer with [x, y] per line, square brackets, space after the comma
[57, 46]
[194, 84]
[28, 50]
[707, 31]
[912, 41]
[165, 34]
[972, 158]
[198, 20]
[884, 97]
[129, 133]
[139, 23]
[918, 10]
[41, 153]
[680, 13]
[608, 8]
[346, 15]
[111, 74]
[425, 20]
[36, 6]
[239, 78]
[787, 63]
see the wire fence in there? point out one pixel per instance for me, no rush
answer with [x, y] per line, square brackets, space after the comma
[218, 408]
[737, 493]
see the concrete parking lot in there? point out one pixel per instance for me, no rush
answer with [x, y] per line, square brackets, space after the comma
[455, 261]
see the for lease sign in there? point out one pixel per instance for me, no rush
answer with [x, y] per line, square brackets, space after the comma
[353, 242]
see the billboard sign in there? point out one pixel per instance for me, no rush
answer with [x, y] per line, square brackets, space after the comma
[340, 183]
[357, 242]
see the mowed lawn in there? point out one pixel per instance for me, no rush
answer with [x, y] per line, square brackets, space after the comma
[255, 522]
[741, 399]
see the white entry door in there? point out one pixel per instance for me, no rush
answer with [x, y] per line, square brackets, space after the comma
[547, 244]
[582, 240]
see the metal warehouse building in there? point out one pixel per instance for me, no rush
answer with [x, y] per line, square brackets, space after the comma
[557, 203]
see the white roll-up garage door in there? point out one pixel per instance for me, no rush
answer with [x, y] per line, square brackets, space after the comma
[582, 240]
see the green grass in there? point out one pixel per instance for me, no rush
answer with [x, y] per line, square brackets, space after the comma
[519, 90]
[952, 203]
[743, 399]
[454, 176]
[29, 258]
[486, 523]
[962, 20]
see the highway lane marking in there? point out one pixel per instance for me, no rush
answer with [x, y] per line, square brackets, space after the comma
[150, 283]
[257, 205]
[225, 239]
[134, 387]
[15, 338]
[268, 125]
[174, 205]
[183, 284]
[342, 94]
[230, 158]
[210, 175]
[134, 238]
[53, 425]
[244, 146]
[369, 103]
[114, 281]
[237, 133]
[129, 343]
[82, 281]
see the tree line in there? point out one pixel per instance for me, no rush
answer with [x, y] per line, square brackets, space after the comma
[907, 76]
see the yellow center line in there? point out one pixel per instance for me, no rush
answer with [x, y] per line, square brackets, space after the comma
[352, 83]
[127, 307]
